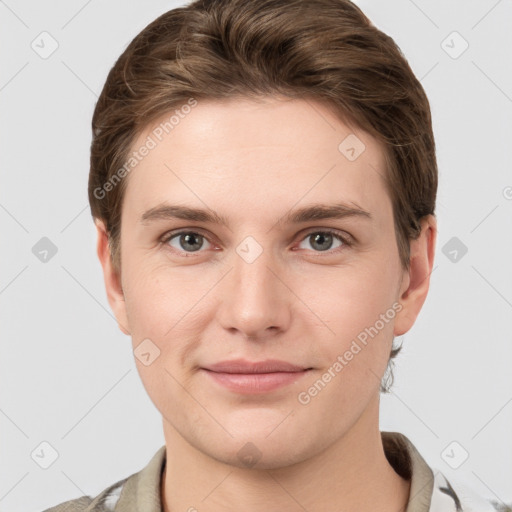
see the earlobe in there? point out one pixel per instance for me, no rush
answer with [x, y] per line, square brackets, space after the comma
[417, 281]
[111, 278]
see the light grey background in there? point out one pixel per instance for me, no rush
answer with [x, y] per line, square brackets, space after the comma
[67, 373]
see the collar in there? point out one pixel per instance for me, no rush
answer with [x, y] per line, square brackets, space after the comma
[142, 490]
[409, 464]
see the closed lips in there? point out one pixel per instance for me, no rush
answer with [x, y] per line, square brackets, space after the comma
[239, 366]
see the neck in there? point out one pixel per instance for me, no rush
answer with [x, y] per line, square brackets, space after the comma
[351, 474]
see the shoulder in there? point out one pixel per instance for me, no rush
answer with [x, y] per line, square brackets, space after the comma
[103, 502]
[140, 489]
[432, 490]
[71, 505]
[455, 495]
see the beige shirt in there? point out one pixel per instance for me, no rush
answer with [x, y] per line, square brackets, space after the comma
[430, 490]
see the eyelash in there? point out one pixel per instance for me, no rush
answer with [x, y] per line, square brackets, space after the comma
[344, 238]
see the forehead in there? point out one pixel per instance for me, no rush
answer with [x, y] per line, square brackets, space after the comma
[252, 151]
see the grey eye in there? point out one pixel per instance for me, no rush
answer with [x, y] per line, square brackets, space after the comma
[188, 241]
[323, 241]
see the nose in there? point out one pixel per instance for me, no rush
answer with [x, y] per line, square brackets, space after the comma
[255, 300]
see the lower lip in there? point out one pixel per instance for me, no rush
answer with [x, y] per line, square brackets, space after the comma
[255, 382]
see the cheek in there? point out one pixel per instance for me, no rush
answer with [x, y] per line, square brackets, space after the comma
[157, 298]
[164, 327]
[352, 327]
[345, 301]
[166, 306]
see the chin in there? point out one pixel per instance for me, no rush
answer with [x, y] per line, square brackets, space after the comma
[262, 456]
[257, 449]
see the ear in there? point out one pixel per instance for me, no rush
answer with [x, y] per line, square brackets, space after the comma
[112, 279]
[416, 281]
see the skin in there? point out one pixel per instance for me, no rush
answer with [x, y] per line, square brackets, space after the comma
[253, 162]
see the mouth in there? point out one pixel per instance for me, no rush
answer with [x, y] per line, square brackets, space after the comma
[247, 377]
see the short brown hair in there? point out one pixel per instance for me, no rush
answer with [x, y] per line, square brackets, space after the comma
[323, 50]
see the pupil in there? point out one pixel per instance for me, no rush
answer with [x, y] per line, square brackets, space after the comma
[323, 237]
[187, 239]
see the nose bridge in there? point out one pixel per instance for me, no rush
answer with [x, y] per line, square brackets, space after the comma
[254, 295]
[251, 274]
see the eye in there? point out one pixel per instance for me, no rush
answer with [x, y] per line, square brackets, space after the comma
[193, 241]
[185, 241]
[323, 241]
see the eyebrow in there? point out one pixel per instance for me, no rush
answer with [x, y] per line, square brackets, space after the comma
[320, 211]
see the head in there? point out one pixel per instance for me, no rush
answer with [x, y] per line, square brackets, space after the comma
[252, 111]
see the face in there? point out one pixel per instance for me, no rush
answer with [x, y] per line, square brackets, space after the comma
[297, 262]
